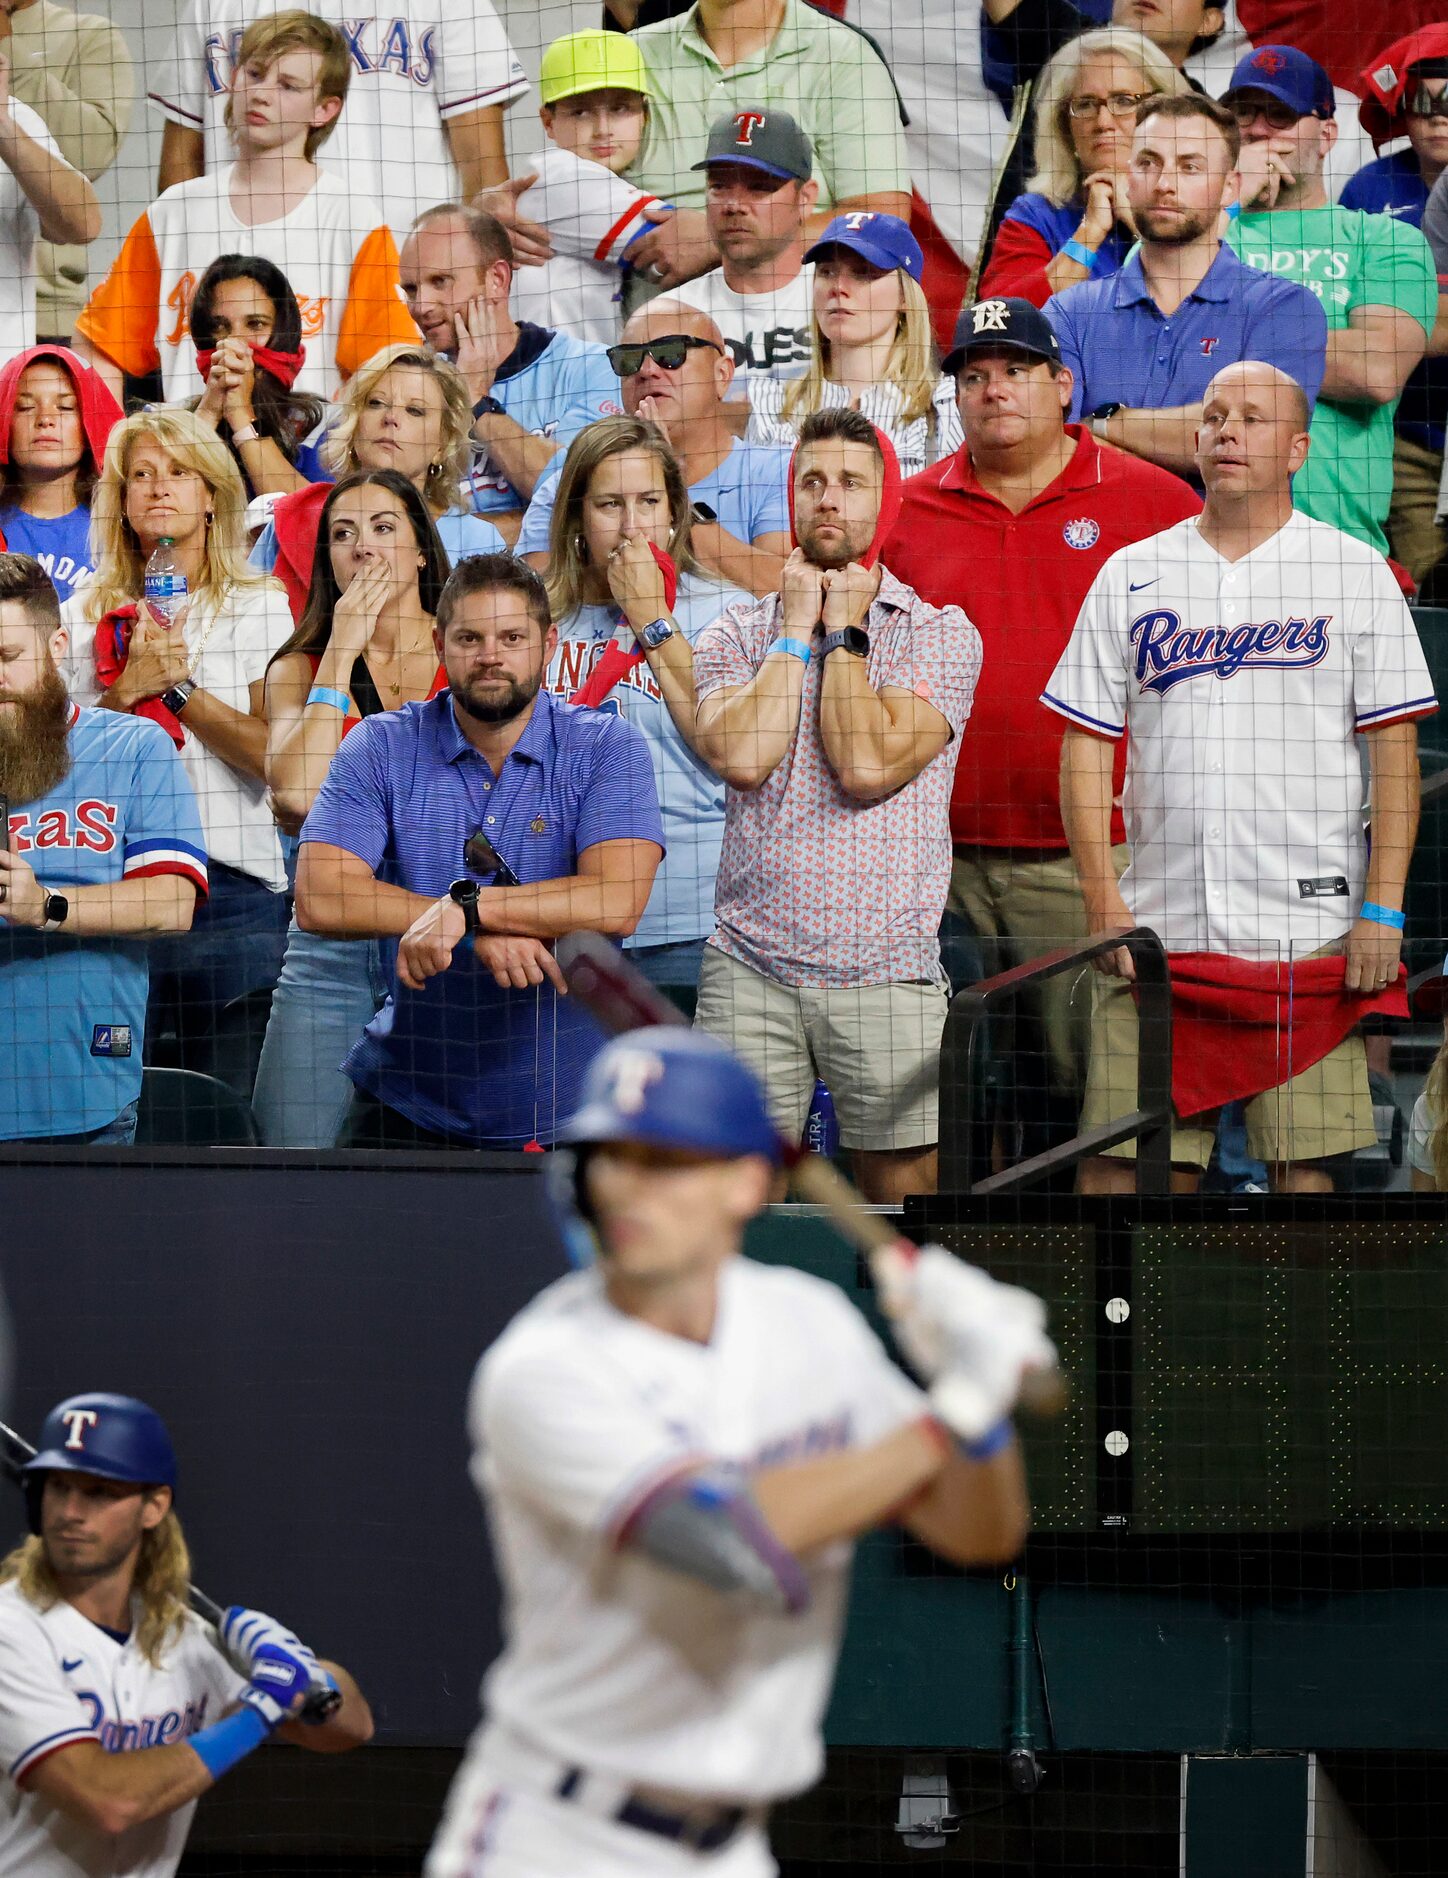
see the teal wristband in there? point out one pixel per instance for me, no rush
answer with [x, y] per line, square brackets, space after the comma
[230, 1740]
[991, 1442]
[1234, 209]
[1383, 915]
[796, 648]
[1078, 251]
[328, 694]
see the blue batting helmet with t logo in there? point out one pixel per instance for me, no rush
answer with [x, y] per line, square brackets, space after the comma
[112, 1436]
[673, 1088]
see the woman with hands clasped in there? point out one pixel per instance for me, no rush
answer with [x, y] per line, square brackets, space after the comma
[1073, 221]
[628, 599]
[364, 645]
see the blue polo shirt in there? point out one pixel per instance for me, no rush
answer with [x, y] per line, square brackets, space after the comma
[1124, 350]
[464, 1057]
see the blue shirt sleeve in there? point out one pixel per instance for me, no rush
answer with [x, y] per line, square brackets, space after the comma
[463, 534]
[353, 809]
[769, 492]
[621, 800]
[538, 517]
[592, 392]
[1291, 333]
[1064, 327]
[163, 822]
[265, 553]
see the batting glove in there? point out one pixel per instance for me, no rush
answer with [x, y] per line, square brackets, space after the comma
[280, 1684]
[259, 1646]
[969, 1337]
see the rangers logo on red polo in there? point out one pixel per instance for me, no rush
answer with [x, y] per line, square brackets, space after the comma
[1083, 532]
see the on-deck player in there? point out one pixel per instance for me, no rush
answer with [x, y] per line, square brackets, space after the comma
[677, 1448]
[116, 1709]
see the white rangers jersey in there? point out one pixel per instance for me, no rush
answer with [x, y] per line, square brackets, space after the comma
[592, 216]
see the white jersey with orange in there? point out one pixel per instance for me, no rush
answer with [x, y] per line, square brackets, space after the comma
[334, 248]
[412, 70]
[611, 1662]
[64, 1680]
[592, 217]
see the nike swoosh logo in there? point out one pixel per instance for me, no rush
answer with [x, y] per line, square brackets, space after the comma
[1136, 584]
[69, 1666]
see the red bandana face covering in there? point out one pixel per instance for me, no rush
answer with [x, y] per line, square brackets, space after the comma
[619, 660]
[283, 366]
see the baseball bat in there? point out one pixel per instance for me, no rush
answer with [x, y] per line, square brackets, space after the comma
[620, 998]
[323, 1701]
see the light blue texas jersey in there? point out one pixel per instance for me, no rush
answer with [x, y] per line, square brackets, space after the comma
[73, 1011]
[565, 384]
[691, 798]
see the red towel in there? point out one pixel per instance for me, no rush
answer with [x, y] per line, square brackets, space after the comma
[295, 521]
[283, 366]
[113, 642]
[618, 661]
[1239, 1027]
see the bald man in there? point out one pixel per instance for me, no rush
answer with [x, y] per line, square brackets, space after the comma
[1242, 654]
[675, 370]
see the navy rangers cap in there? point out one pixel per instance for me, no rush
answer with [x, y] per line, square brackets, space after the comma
[1015, 323]
[767, 140]
[1287, 75]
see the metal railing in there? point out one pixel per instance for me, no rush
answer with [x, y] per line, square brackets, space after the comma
[1149, 1123]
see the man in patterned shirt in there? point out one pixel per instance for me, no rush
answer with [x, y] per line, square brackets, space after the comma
[831, 709]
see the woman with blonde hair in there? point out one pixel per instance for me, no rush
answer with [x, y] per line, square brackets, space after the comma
[1073, 221]
[407, 410]
[167, 478]
[871, 347]
[628, 599]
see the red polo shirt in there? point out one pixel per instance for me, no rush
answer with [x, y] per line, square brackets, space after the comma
[1020, 580]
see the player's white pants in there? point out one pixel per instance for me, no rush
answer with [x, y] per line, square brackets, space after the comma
[494, 1828]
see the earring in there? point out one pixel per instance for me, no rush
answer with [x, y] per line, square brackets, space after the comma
[434, 469]
[210, 518]
[580, 547]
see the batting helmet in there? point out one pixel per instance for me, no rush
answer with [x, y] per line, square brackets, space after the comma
[673, 1088]
[112, 1436]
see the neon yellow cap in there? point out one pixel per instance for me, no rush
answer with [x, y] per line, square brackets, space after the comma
[591, 61]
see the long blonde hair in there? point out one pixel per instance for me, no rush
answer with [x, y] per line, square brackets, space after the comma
[440, 489]
[595, 444]
[162, 1583]
[1058, 173]
[121, 564]
[912, 364]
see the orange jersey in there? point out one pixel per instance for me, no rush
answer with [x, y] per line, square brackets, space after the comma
[334, 248]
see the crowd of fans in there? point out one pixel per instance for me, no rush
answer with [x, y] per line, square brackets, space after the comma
[722, 534]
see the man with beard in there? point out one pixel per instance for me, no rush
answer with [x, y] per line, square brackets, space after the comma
[1142, 345]
[100, 848]
[831, 709]
[494, 814]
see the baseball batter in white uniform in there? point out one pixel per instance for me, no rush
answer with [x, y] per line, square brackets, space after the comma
[117, 1707]
[677, 1448]
[1243, 653]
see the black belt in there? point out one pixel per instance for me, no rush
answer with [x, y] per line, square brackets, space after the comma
[698, 1831]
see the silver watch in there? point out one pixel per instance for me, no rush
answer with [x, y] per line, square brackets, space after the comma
[656, 632]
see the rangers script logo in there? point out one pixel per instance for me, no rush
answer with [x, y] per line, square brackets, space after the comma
[1168, 653]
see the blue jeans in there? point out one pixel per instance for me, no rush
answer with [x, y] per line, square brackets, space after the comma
[118, 1133]
[327, 994]
[673, 967]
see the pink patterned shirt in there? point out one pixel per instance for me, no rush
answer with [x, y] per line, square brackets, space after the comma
[815, 888]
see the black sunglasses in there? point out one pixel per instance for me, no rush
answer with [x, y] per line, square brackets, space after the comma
[483, 858]
[669, 352]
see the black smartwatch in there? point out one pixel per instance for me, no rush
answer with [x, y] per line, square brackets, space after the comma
[1100, 415]
[176, 698]
[848, 639]
[701, 512]
[488, 406]
[464, 893]
[56, 910]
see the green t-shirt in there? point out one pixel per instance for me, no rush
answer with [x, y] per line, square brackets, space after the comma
[1348, 259]
[831, 81]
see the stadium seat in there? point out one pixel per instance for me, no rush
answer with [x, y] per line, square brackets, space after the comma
[182, 1109]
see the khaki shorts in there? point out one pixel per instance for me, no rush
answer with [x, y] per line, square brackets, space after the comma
[1326, 1110]
[876, 1047]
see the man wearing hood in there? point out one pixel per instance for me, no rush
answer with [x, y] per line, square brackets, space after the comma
[56, 414]
[831, 709]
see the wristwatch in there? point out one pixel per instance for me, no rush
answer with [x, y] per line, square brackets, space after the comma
[656, 632]
[464, 893]
[1099, 416]
[701, 512]
[848, 639]
[55, 909]
[247, 434]
[175, 699]
[488, 406]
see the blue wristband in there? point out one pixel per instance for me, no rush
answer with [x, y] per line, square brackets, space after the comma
[1234, 209]
[230, 1740]
[328, 694]
[796, 648]
[1078, 251]
[991, 1442]
[1382, 915]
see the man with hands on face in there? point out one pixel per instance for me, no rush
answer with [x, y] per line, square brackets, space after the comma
[1243, 653]
[831, 709]
[494, 815]
[676, 370]
[533, 389]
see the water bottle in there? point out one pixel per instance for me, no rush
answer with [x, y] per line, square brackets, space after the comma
[822, 1130]
[165, 588]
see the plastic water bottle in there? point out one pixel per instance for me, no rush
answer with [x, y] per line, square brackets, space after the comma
[165, 588]
[822, 1130]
